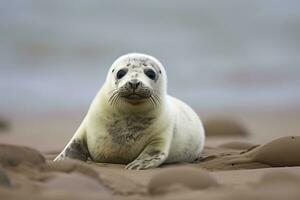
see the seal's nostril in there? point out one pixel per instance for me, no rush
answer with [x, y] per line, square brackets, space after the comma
[130, 84]
[134, 84]
[137, 84]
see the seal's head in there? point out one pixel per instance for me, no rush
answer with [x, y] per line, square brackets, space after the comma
[136, 79]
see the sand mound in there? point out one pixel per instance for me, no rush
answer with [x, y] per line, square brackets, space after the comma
[4, 125]
[12, 155]
[4, 179]
[280, 152]
[188, 177]
[73, 182]
[220, 158]
[69, 166]
[238, 145]
[224, 128]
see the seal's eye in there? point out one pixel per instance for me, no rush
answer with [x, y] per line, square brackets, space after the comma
[150, 73]
[121, 73]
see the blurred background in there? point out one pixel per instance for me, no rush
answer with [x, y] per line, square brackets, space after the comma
[227, 58]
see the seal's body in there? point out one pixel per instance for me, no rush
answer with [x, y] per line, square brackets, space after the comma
[133, 121]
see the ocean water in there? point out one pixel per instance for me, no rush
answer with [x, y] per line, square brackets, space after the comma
[54, 55]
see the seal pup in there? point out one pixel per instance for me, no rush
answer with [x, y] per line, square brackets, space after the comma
[133, 121]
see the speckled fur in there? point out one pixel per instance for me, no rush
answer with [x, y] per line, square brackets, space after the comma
[128, 130]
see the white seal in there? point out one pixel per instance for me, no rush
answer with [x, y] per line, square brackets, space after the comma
[133, 120]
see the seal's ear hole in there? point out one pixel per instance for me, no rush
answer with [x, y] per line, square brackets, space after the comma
[160, 71]
[150, 73]
[128, 65]
[145, 64]
[121, 73]
[113, 71]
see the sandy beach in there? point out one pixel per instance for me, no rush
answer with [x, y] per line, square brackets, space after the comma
[235, 63]
[234, 164]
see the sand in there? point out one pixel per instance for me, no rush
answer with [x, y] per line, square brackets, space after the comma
[4, 125]
[187, 177]
[224, 127]
[227, 169]
[12, 155]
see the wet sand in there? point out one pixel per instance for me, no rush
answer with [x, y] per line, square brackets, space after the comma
[231, 167]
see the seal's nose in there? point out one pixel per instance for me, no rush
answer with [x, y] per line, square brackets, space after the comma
[134, 84]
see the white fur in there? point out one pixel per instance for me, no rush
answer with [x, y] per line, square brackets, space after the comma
[176, 129]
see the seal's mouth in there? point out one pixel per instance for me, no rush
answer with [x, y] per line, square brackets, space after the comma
[136, 96]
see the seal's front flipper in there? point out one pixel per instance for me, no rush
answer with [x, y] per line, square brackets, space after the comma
[147, 162]
[153, 156]
[76, 149]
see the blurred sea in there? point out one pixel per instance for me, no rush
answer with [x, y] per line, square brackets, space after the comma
[219, 55]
